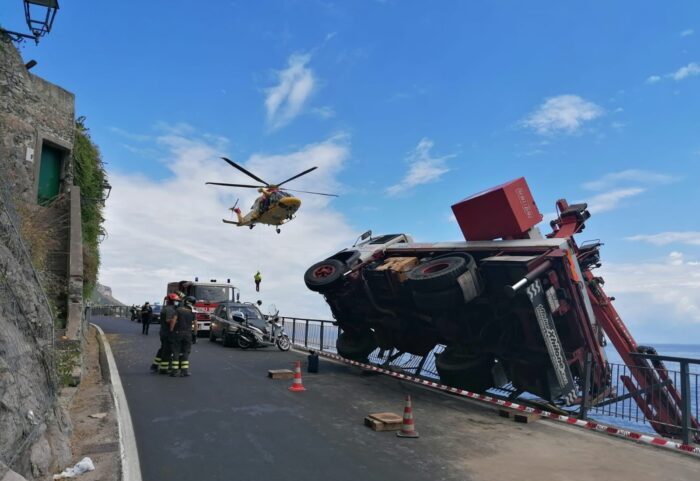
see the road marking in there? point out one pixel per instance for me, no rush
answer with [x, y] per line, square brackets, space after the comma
[131, 467]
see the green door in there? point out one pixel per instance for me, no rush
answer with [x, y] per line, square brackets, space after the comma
[49, 174]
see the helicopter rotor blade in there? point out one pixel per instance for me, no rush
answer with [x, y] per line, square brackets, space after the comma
[309, 192]
[249, 174]
[236, 185]
[297, 176]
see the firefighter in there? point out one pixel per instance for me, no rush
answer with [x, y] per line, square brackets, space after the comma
[146, 317]
[181, 329]
[161, 363]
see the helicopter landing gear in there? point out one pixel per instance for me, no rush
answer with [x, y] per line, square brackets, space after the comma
[278, 230]
[251, 226]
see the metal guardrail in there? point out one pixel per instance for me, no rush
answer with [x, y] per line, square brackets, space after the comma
[619, 405]
[678, 371]
[111, 311]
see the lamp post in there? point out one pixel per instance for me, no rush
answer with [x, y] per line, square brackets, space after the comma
[39, 15]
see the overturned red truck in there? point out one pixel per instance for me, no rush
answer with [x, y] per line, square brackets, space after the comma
[509, 305]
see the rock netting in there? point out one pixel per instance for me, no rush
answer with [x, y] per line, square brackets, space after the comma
[34, 428]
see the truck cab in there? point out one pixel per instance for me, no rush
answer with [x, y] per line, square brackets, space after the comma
[208, 295]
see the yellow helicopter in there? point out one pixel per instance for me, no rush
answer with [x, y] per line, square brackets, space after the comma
[273, 207]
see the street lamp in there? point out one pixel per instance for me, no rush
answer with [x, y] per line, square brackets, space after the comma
[40, 24]
[106, 187]
[39, 15]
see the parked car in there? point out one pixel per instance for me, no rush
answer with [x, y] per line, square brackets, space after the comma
[224, 327]
[157, 308]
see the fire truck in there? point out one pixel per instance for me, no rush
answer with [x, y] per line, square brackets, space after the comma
[208, 295]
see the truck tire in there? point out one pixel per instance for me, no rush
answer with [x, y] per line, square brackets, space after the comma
[226, 340]
[438, 301]
[461, 369]
[356, 347]
[324, 275]
[437, 274]
[212, 336]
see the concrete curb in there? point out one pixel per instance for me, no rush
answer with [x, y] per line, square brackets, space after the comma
[131, 467]
[647, 439]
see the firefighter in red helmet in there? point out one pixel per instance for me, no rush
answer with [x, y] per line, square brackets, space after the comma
[161, 363]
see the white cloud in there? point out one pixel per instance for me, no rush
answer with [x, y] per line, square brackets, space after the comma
[689, 70]
[687, 32]
[663, 292]
[165, 230]
[630, 175]
[562, 114]
[295, 85]
[423, 168]
[665, 238]
[610, 200]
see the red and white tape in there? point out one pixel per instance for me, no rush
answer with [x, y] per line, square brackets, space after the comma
[591, 425]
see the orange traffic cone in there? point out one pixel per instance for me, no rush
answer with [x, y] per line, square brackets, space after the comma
[407, 428]
[297, 386]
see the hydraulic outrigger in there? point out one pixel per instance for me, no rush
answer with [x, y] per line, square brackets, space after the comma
[654, 392]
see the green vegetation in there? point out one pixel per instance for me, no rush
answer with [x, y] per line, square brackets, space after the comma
[66, 362]
[91, 177]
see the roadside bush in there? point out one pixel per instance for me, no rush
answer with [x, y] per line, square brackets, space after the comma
[91, 177]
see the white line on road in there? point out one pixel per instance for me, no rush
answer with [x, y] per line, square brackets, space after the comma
[131, 467]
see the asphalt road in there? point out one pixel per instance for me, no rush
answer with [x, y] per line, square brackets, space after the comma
[228, 421]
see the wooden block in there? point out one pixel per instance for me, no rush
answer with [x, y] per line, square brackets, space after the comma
[518, 416]
[384, 421]
[387, 418]
[280, 374]
[522, 417]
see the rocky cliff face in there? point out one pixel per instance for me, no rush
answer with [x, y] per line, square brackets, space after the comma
[102, 296]
[34, 428]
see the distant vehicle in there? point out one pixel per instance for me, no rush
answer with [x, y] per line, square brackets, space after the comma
[274, 207]
[157, 308]
[208, 296]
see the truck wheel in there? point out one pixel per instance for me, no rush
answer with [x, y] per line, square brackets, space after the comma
[356, 347]
[212, 336]
[438, 301]
[461, 369]
[437, 274]
[324, 275]
[226, 340]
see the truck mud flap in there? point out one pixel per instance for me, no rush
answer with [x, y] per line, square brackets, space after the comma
[566, 386]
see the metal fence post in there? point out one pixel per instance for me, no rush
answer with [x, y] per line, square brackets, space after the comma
[685, 401]
[306, 334]
[321, 336]
[294, 330]
[586, 386]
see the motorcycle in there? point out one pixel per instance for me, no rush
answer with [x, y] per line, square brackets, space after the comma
[271, 334]
[135, 313]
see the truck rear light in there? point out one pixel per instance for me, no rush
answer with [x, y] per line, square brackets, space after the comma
[202, 317]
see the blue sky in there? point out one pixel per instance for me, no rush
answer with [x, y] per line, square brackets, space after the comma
[409, 106]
